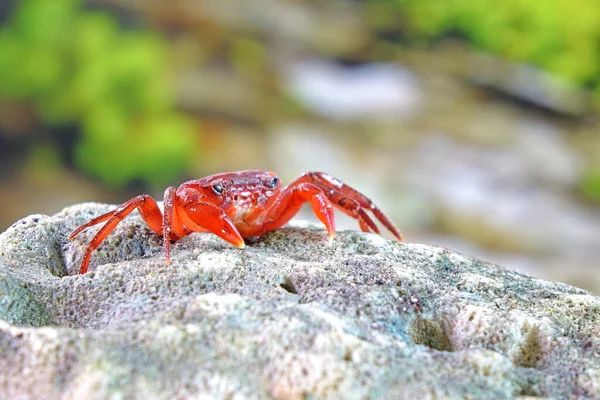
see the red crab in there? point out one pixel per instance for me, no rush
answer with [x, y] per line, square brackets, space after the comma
[238, 205]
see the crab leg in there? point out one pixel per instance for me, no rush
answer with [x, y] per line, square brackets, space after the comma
[289, 203]
[172, 229]
[148, 210]
[326, 191]
[365, 222]
[351, 202]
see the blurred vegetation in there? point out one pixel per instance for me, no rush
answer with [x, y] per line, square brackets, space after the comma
[590, 185]
[78, 66]
[560, 36]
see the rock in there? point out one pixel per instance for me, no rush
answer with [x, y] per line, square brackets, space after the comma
[288, 317]
[510, 199]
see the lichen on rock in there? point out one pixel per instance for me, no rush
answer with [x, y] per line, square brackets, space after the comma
[289, 316]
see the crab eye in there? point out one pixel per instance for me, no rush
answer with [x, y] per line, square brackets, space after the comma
[273, 183]
[218, 188]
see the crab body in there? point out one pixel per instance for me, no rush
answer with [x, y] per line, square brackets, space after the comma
[238, 205]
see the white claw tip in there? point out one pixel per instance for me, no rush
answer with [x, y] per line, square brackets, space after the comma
[330, 240]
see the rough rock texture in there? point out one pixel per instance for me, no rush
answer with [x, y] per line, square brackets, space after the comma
[288, 317]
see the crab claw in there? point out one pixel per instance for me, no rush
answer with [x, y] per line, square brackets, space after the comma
[207, 217]
[323, 209]
[230, 233]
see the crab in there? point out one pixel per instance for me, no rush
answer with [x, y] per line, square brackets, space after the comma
[238, 205]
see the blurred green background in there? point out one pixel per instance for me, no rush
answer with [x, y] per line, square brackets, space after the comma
[473, 124]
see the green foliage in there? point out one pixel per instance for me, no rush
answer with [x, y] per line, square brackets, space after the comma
[248, 55]
[590, 185]
[78, 66]
[560, 36]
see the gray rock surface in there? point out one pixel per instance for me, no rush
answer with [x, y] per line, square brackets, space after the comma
[288, 317]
